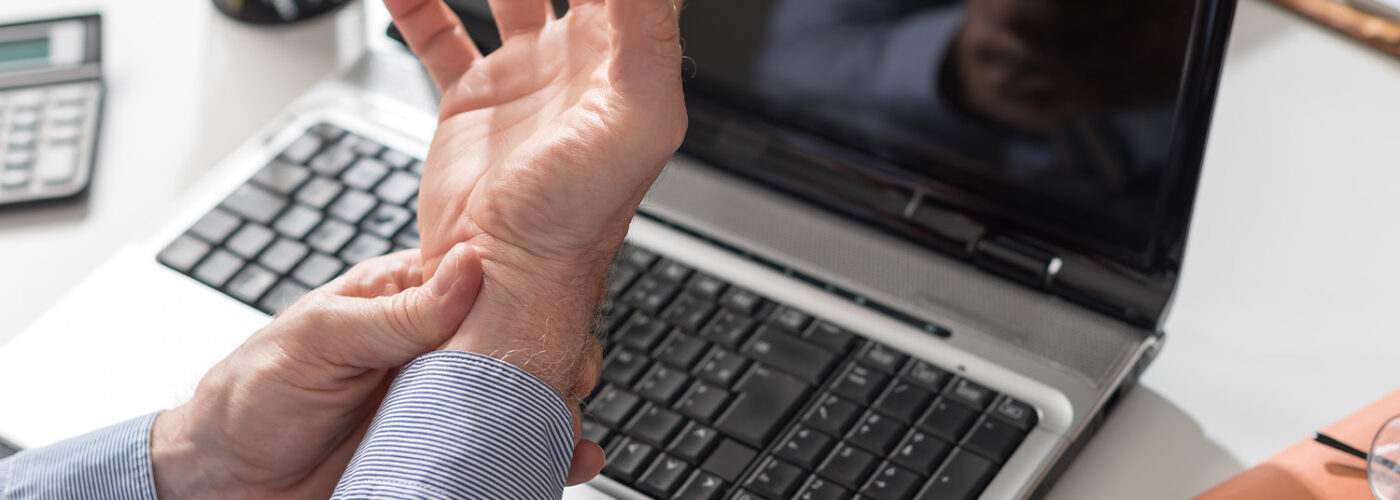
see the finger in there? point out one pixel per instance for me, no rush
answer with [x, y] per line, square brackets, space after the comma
[587, 463]
[435, 33]
[389, 331]
[519, 17]
[646, 45]
[385, 275]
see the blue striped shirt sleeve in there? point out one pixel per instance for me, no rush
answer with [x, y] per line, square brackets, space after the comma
[111, 463]
[462, 425]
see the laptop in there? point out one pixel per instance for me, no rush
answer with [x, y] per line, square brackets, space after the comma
[908, 250]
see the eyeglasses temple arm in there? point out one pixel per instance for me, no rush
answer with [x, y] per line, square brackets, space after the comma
[1333, 443]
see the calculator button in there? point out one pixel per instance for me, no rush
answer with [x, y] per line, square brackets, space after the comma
[57, 165]
[15, 179]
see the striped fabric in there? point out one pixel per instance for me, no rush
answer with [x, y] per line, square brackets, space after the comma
[112, 463]
[462, 425]
[454, 425]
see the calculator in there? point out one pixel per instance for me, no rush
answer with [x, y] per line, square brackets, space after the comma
[50, 105]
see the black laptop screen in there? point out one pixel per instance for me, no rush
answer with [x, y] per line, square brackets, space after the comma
[1054, 117]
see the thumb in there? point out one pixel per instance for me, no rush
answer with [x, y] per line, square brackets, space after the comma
[395, 329]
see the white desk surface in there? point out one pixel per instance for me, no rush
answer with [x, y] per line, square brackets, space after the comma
[1284, 321]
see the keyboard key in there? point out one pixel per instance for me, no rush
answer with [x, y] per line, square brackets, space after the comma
[367, 147]
[994, 439]
[961, 478]
[317, 269]
[665, 474]
[619, 278]
[365, 173]
[721, 367]
[283, 255]
[352, 206]
[848, 466]
[701, 486]
[408, 237]
[331, 161]
[694, 442]
[302, 149]
[790, 354]
[417, 167]
[297, 221]
[284, 294]
[703, 401]
[251, 283]
[641, 332]
[904, 401]
[805, 447]
[250, 240]
[861, 383]
[948, 420]
[216, 225]
[969, 392]
[774, 479]
[396, 159]
[398, 188]
[183, 253]
[891, 482]
[613, 317]
[623, 367]
[883, 358]
[817, 488]
[387, 220]
[831, 337]
[282, 177]
[255, 203]
[662, 384]
[729, 328]
[729, 460]
[875, 433]
[706, 287]
[672, 271]
[594, 431]
[365, 247]
[931, 378]
[689, 312]
[327, 132]
[681, 350]
[637, 257]
[1014, 412]
[832, 415]
[628, 459]
[651, 294]
[612, 406]
[217, 268]
[653, 425]
[920, 452]
[742, 301]
[331, 236]
[792, 320]
[766, 399]
[319, 192]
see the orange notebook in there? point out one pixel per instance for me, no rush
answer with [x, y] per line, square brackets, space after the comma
[1310, 471]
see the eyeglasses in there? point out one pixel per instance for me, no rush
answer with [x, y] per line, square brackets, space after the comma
[1382, 471]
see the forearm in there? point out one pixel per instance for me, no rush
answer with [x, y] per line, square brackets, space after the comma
[464, 425]
[111, 463]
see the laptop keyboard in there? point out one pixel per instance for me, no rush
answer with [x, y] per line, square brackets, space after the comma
[708, 390]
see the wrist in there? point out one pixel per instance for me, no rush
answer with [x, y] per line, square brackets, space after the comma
[181, 466]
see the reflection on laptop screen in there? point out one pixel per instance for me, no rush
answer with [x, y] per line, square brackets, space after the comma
[1060, 110]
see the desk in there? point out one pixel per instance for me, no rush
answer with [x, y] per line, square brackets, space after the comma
[1283, 321]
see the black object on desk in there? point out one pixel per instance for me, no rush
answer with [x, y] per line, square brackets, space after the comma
[276, 11]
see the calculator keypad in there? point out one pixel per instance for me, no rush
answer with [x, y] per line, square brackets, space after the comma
[46, 138]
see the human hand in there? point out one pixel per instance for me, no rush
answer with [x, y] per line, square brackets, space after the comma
[543, 151]
[1040, 64]
[282, 415]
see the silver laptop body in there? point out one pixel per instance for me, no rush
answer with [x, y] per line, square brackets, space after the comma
[1011, 314]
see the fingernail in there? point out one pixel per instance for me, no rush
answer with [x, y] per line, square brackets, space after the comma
[448, 271]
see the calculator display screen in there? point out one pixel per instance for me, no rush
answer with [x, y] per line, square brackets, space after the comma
[24, 52]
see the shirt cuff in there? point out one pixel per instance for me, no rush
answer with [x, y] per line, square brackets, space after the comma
[463, 425]
[114, 462]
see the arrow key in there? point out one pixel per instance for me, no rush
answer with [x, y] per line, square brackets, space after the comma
[664, 476]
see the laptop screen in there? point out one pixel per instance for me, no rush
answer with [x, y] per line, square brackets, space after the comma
[1053, 118]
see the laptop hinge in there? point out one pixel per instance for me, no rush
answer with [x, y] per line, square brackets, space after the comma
[1016, 260]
